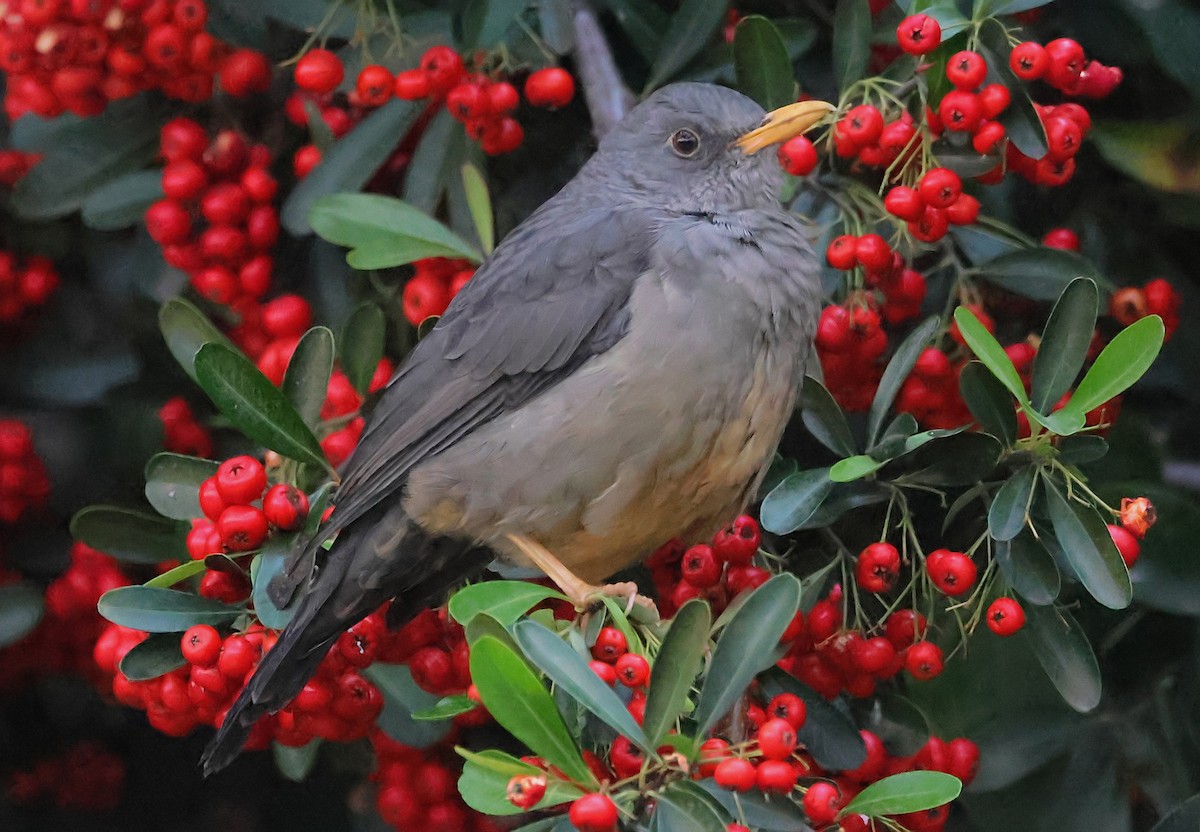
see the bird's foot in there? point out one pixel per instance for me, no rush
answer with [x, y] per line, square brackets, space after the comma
[637, 606]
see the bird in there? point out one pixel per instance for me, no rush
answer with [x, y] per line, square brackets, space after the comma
[617, 373]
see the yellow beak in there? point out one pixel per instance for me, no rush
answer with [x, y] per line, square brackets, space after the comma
[783, 124]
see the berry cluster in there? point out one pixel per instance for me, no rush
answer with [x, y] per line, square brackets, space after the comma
[232, 522]
[25, 285]
[1062, 64]
[1157, 297]
[1136, 517]
[225, 185]
[182, 434]
[931, 392]
[434, 647]
[418, 789]
[935, 203]
[850, 343]
[900, 290]
[87, 777]
[77, 56]
[716, 571]
[24, 485]
[435, 282]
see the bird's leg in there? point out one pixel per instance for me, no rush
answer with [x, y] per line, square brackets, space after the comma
[579, 591]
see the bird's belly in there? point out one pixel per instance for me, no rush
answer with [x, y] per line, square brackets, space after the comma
[663, 435]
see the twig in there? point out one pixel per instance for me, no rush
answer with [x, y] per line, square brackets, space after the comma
[608, 99]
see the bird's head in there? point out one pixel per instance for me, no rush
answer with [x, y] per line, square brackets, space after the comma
[704, 147]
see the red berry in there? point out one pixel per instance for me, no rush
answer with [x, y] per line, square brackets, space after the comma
[525, 790]
[1005, 616]
[306, 158]
[238, 657]
[1063, 138]
[1126, 543]
[285, 507]
[610, 645]
[960, 111]
[940, 187]
[966, 70]
[551, 87]
[201, 645]
[242, 528]
[374, 85]
[442, 67]
[605, 671]
[424, 296]
[878, 567]
[738, 543]
[286, 316]
[593, 813]
[904, 627]
[932, 226]
[872, 252]
[1063, 238]
[964, 211]
[1029, 61]
[798, 156]
[503, 137]
[700, 567]
[712, 752]
[775, 776]
[873, 655]
[245, 71]
[951, 572]
[822, 802]
[842, 253]
[777, 739]
[625, 757]
[241, 480]
[259, 185]
[735, 774]
[790, 707]
[993, 100]
[411, 85]
[924, 660]
[862, 125]
[633, 671]
[183, 180]
[502, 98]
[904, 202]
[1066, 63]
[319, 71]
[168, 222]
[211, 501]
[987, 137]
[919, 34]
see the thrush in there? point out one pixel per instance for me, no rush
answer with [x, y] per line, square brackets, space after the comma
[617, 373]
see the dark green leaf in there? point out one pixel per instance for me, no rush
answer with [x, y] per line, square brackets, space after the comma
[964, 459]
[758, 810]
[256, 406]
[557, 25]
[123, 201]
[909, 791]
[1159, 153]
[1119, 365]
[349, 162]
[896, 372]
[1029, 569]
[480, 203]
[446, 708]
[1065, 343]
[828, 734]
[296, 764]
[1038, 273]
[1064, 653]
[854, 468]
[675, 668]
[186, 329]
[383, 231]
[989, 352]
[362, 344]
[306, 380]
[691, 29]
[156, 610]
[747, 646]
[643, 23]
[401, 699]
[438, 156]
[505, 601]
[1183, 818]
[485, 777]
[895, 437]
[514, 695]
[129, 535]
[824, 418]
[781, 468]
[270, 562]
[1010, 508]
[1020, 119]
[1082, 449]
[173, 484]
[761, 64]
[981, 244]
[318, 129]
[180, 573]
[844, 497]
[20, 611]
[990, 403]
[685, 807]
[795, 500]
[160, 653]
[1089, 548]
[851, 41]
[486, 21]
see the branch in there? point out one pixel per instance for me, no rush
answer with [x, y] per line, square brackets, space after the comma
[608, 99]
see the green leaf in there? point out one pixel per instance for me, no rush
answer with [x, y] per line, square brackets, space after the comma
[1065, 342]
[1010, 508]
[256, 406]
[761, 64]
[675, 668]
[854, 468]
[1064, 653]
[1089, 548]
[505, 601]
[446, 708]
[897, 370]
[156, 610]
[981, 244]
[851, 41]
[130, 535]
[177, 575]
[1183, 818]
[909, 791]
[362, 344]
[958, 460]
[480, 203]
[842, 498]
[401, 699]
[1039, 273]
[795, 500]
[383, 231]
[485, 777]
[122, 202]
[746, 646]
[186, 329]
[759, 811]
[570, 672]
[438, 156]
[276, 553]
[1159, 153]
[21, 608]
[349, 162]
[160, 653]
[296, 764]
[486, 21]
[1020, 119]
[514, 695]
[557, 25]
[1119, 365]
[643, 23]
[691, 29]
[989, 401]
[895, 437]
[824, 418]
[1081, 449]
[1029, 569]
[684, 807]
[827, 733]
[173, 484]
[988, 350]
[306, 380]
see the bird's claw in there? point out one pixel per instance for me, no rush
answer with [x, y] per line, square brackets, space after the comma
[637, 606]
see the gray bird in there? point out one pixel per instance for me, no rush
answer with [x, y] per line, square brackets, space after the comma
[618, 373]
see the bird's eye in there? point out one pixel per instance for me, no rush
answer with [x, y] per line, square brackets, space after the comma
[685, 143]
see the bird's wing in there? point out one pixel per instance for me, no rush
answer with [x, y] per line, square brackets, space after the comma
[552, 296]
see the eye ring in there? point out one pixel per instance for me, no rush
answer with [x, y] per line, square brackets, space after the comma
[685, 143]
